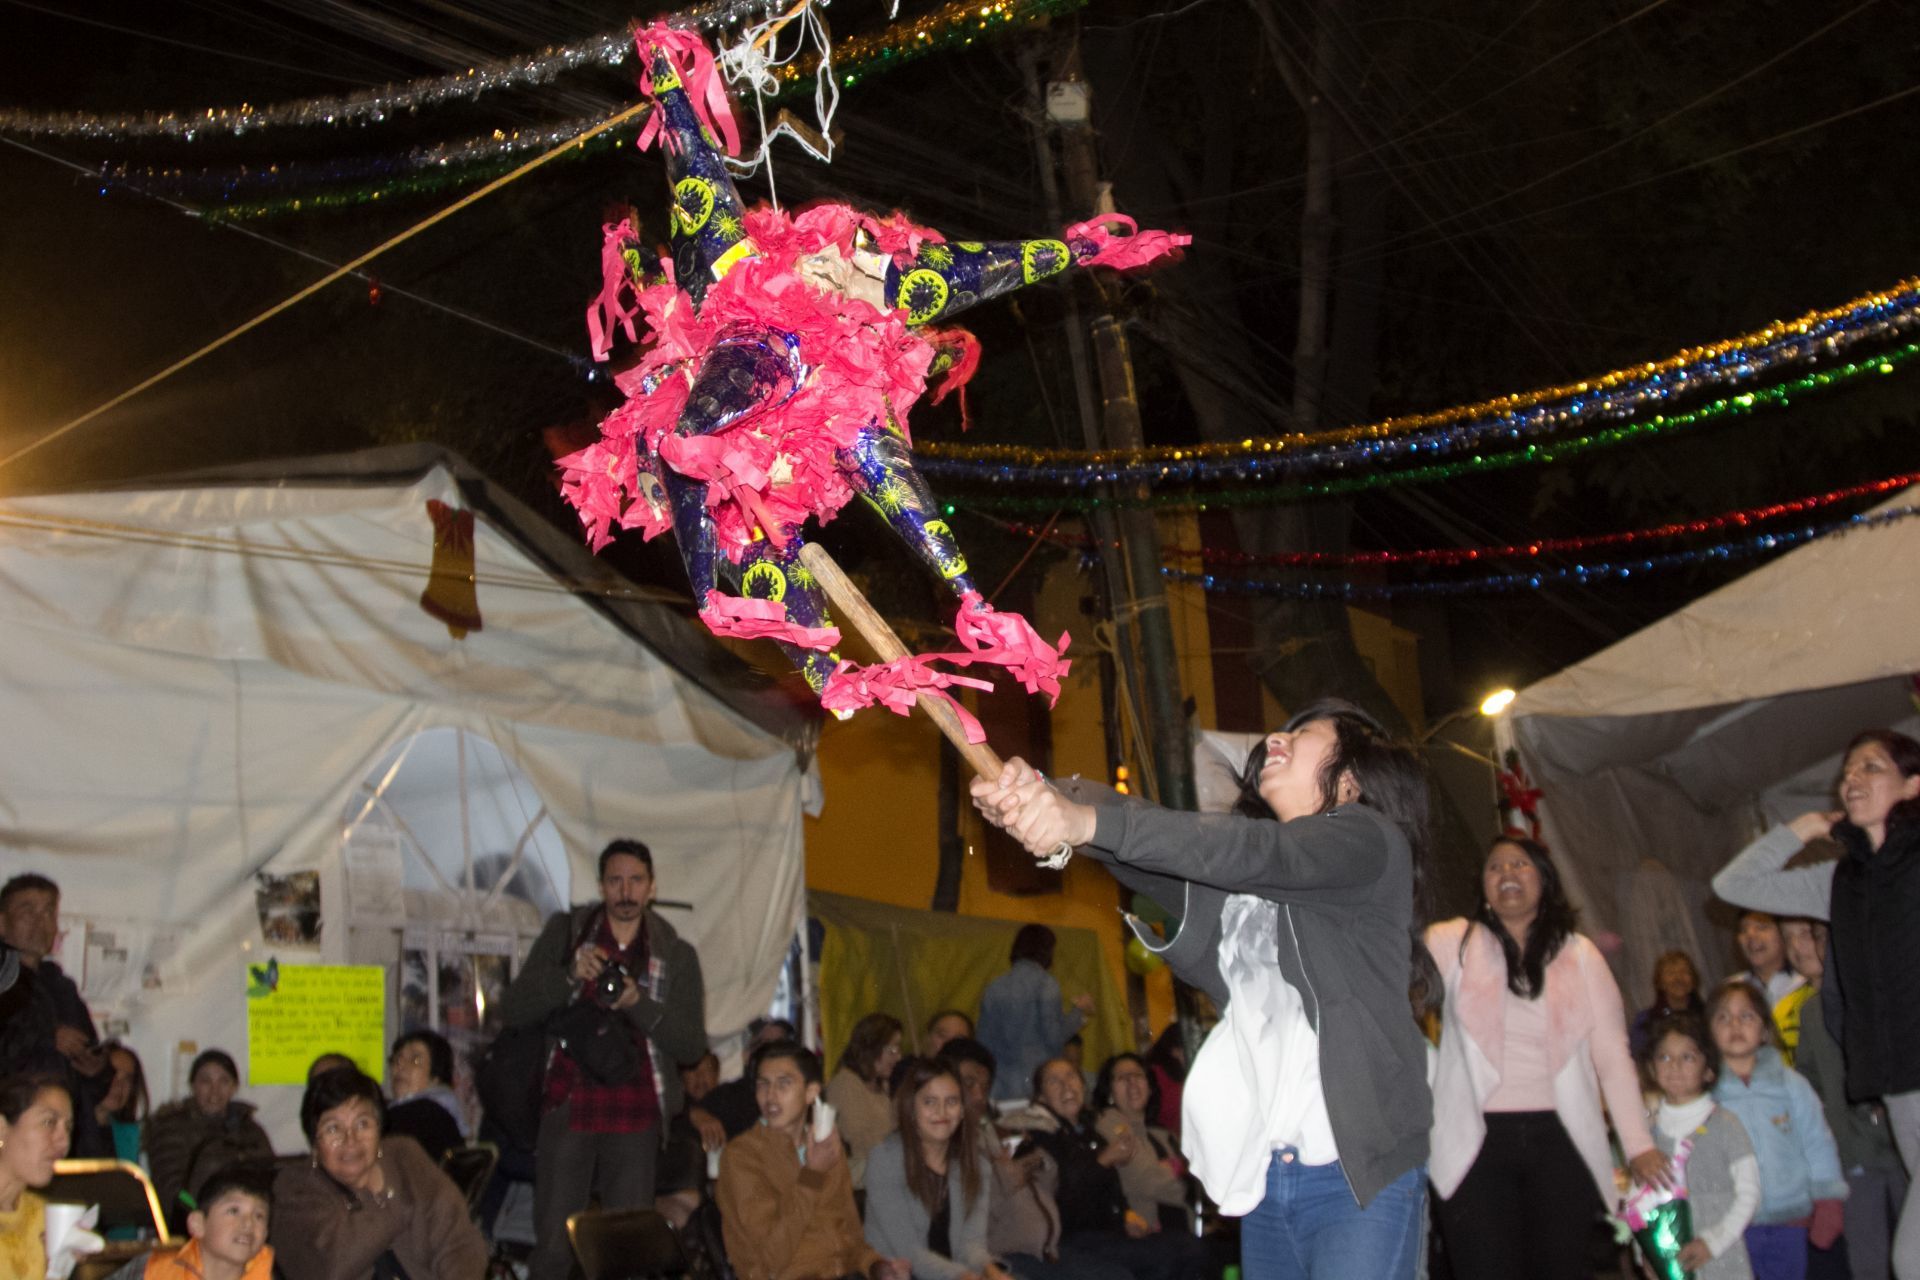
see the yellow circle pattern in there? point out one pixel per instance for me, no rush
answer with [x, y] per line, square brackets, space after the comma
[1032, 269]
[692, 203]
[764, 581]
[931, 288]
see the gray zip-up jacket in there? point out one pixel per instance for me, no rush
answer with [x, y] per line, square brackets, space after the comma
[1344, 883]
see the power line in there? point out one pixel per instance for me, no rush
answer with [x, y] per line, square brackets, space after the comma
[1664, 120]
[572, 357]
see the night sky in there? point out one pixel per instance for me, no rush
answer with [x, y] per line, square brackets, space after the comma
[1532, 194]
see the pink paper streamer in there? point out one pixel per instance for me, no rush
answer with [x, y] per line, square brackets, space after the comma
[746, 618]
[610, 310]
[693, 63]
[899, 237]
[1123, 253]
[897, 685]
[1009, 640]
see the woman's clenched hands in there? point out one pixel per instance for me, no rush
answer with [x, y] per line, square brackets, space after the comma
[1028, 807]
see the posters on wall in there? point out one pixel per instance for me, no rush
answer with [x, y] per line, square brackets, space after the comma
[452, 983]
[295, 1012]
[374, 860]
[289, 907]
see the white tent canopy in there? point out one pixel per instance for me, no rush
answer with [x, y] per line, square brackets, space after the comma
[1662, 755]
[219, 676]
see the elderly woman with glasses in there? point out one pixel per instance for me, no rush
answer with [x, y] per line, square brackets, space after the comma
[368, 1206]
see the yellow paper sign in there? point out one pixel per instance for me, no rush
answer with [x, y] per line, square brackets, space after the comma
[297, 1012]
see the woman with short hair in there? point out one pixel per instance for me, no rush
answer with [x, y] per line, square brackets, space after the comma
[1125, 1098]
[425, 1107]
[367, 1204]
[1871, 897]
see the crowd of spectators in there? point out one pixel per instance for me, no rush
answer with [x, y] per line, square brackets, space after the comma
[1785, 1098]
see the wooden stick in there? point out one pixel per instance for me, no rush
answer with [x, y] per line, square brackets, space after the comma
[867, 621]
[849, 600]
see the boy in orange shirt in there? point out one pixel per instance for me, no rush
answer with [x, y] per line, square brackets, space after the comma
[229, 1235]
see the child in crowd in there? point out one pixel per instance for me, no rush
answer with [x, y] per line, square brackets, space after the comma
[1709, 1144]
[1758, 937]
[228, 1233]
[1803, 1192]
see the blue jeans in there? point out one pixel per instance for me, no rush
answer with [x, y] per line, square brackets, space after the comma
[1778, 1252]
[1309, 1225]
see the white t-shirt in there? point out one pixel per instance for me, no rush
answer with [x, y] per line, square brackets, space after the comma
[1255, 1084]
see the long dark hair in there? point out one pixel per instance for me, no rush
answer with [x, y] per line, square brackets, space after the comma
[135, 1107]
[867, 1041]
[1392, 782]
[1103, 1087]
[1527, 971]
[917, 1074]
[1905, 753]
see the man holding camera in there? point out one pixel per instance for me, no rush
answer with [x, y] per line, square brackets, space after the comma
[621, 998]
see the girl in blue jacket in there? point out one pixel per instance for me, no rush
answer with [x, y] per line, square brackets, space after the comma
[1802, 1191]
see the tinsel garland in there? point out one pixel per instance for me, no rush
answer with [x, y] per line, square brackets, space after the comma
[1535, 579]
[238, 193]
[371, 106]
[1664, 424]
[1455, 557]
[462, 161]
[1626, 395]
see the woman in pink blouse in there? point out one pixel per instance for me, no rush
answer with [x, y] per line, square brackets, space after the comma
[1533, 1039]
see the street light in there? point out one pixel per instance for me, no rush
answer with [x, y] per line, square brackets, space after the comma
[1490, 706]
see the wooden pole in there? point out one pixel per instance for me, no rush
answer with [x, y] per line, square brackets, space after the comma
[867, 621]
[853, 605]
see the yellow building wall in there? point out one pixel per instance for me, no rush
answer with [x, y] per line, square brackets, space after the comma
[878, 832]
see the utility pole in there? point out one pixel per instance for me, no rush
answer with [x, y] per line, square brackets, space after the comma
[1146, 665]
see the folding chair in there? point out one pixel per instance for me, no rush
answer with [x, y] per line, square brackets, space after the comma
[625, 1244]
[471, 1167]
[122, 1190]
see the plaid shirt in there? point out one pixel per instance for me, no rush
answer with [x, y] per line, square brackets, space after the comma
[633, 1107]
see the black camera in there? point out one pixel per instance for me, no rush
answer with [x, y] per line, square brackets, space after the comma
[611, 982]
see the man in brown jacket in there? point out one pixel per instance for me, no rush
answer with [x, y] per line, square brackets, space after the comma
[786, 1198]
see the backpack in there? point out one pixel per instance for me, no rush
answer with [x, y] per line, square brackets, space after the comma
[509, 1076]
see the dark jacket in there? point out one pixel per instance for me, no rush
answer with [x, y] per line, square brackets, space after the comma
[1875, 971]
[427, 1123]
[1859, 1128]
[673, 1021]
[184, 1146]
[42, 999]
[1089, 1194]
[1344, 882]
